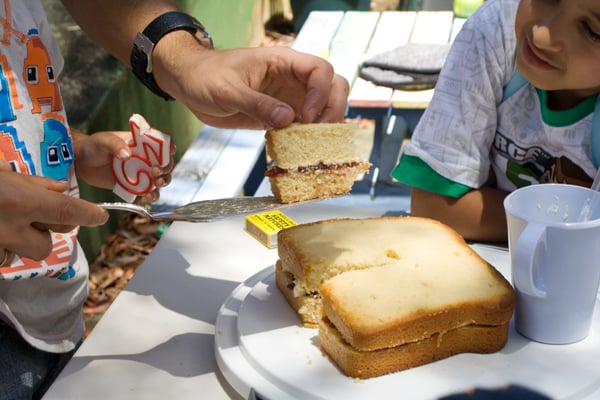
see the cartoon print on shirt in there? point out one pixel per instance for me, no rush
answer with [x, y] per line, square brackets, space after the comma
[14, 151]
[525, 166]
[54, 143]
[56, 149]
[8, 31]
[57, 265]
[563, 170]
[39, 76]
[7, 91]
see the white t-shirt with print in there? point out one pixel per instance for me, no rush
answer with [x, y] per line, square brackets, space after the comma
[41, 299]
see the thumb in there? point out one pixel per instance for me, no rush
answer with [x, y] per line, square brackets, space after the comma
[268, 110]
[114, 143]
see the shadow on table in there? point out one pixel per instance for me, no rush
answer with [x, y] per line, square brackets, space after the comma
[166, 278]
[161, 356]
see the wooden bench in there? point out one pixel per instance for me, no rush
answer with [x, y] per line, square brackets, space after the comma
[219, 163]
[225, 163]
[348, 38]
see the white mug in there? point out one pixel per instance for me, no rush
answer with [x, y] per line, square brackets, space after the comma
[555, 260]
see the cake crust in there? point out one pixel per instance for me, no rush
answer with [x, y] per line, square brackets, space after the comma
[307, 306]
[378, 315]
[395, 292]
[310, 161]
[316, 251]
[369, 364]
[304, 145]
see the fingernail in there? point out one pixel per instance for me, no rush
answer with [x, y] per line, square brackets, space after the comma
[104, 219]
[124, 153]
[280, 116]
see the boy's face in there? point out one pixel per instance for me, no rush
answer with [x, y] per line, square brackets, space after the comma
[558, 44]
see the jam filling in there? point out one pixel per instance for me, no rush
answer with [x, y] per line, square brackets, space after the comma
[275, 170]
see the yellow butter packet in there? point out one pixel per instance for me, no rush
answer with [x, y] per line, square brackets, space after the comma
[264, 226]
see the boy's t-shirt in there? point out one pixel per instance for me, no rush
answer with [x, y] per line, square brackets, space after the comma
[469, 137]
[41, 299]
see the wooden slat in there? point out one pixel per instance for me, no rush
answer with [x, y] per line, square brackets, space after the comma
[367, 94]
[456, 27]
[394, 29]
[233, 167]
[317, 32]
[412, 100]
[217, 164]
[195, 164]
[351, 41]
[430, 27]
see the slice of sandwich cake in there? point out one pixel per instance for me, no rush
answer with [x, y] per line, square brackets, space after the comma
[411, 299]
[311, 161]
[309, 254]
[436, 300]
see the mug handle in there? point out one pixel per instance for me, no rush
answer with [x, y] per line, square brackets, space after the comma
[524, 254]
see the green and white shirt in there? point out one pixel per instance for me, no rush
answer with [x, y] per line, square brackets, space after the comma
[469, 132]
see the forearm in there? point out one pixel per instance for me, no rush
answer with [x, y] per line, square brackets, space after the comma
[113, 24]
[478, 215]
[256, 88]
[120, 21]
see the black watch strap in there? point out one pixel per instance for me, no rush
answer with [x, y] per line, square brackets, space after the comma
[141, 53]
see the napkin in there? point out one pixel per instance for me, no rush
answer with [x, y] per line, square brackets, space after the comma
[413, 66]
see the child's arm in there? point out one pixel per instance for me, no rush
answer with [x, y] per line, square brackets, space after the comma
[477, 215]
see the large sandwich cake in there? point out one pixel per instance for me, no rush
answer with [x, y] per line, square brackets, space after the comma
[392, 293]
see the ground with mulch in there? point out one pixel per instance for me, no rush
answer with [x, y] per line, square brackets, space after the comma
[119, 257]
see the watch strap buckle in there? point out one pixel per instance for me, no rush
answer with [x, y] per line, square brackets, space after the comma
[146, 46]
[144, 43]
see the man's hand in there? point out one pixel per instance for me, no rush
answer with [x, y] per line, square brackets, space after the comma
[31, 206]
[255, 88]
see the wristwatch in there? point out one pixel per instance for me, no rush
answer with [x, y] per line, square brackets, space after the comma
[143, 45]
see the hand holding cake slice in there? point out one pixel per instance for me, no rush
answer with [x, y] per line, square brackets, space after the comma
[313, 161]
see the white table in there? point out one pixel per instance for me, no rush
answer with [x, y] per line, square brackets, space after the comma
[157, 339]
